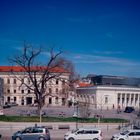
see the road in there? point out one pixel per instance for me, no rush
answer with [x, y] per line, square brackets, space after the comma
[7, 129]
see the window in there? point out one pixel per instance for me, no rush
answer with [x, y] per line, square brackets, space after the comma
[95, 132]
[8, 99]
[14, 81]
[106, 100]
[56, 90]
[57, 81]
[28, 81]
[63, 82]
[132, 134]
[56, 100]
[50, 90]
[15, 91]
[22, 91]
[88, 132]
[15, 99]
[137, 133]
[50, 100]
[80, 132]
[8, 81]
[29, 91]
[8, 90]
[22, 81]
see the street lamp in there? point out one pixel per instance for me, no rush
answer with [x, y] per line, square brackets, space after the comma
[75, 114]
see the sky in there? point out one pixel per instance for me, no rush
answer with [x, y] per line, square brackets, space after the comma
[99, 36]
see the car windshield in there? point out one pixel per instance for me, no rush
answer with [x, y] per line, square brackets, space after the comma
[124, 133]
[75, 130]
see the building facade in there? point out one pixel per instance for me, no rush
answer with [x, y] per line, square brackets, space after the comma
[15, 92]
[109, 97]
[1, 92]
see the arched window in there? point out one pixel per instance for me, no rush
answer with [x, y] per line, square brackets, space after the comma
[14, 81]
[50, 100]
[15, 99]
[57, 82]
[8, 81]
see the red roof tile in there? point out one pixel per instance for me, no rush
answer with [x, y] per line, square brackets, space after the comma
[82, 84]
[20, 69]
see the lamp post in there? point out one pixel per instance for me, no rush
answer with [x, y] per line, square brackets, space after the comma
[75, 114]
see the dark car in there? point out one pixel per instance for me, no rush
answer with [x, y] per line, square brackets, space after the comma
[129, 109]
[6, 106]
[32, 133]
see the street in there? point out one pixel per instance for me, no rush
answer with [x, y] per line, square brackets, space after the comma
[7, 129]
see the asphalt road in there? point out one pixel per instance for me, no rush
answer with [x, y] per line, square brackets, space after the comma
[68, 112]
[7, 129]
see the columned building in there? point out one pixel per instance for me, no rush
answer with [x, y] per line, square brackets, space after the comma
[109, 96]
[14, 92]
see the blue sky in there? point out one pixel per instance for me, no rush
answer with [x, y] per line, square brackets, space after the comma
[98, 36]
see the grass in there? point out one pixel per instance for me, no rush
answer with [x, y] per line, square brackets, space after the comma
[58, 119]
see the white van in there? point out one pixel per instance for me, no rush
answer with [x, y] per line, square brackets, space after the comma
[127, 135]
[84, 134]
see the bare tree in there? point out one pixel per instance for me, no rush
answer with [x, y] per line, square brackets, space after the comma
[38, 73]
[84, 109]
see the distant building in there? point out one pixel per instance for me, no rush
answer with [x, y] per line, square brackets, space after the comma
[13, 92]
[113, 80]
[1, 92]
[109, 96]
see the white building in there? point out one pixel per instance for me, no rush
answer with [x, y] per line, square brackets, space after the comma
[15, 93]
[108, 97]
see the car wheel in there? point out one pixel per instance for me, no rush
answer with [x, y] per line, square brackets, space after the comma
[121, 139]
[95, 139]
[71, 139]
[41, 138]
[18, 138]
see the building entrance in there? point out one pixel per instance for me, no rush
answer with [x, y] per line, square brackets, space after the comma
[28, 100]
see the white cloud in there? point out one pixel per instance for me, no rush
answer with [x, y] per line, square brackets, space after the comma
[96, 59]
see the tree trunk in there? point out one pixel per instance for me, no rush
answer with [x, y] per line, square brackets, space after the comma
[40, 114]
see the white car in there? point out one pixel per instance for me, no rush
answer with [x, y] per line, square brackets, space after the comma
[127, 135]
[84, 134]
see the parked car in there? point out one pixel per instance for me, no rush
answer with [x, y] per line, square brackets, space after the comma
[127, 135]
[6, 106]
[129, 109]
[0, 136]
[32, 133]
[84, 134]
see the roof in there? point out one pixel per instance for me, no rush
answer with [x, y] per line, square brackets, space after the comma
[33, 68]
[82, 84]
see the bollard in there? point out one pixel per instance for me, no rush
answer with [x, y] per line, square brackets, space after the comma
[107, 127]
